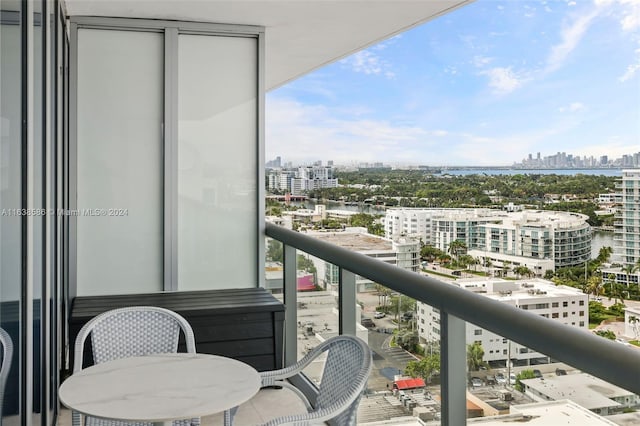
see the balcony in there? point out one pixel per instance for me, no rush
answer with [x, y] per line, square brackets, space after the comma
[575, 347]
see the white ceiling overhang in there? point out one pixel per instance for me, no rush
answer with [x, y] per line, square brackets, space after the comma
[300, 35]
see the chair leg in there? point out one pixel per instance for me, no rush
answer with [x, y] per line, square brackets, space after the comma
[228, 416]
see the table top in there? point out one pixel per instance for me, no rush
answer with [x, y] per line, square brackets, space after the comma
[160, 388]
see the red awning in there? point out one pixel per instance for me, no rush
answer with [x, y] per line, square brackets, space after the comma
[409, 384]
[305, 283]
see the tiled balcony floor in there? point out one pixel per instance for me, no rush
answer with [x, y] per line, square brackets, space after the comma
[271, 403]
[268, 404]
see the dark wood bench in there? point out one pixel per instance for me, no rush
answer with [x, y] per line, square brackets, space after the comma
[245, 324]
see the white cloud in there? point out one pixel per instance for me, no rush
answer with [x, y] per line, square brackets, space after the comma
[571, 3]
[480, 61]
[632, 69]
[299, 131]
[572, 107]
[369, 63]
[503, 80]
[570, 38]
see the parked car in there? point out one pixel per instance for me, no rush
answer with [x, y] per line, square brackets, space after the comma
[500, 378]
[378, 314]
[491, 379]
[368, 322]
[537, 374]
[407, 316]
[476, 382]
[561, 372]
[512, 378]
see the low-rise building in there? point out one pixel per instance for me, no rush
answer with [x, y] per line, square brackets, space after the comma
[585, 390]
[559, 303]
[404, 253]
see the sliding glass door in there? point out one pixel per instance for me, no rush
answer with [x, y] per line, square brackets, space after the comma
[119, 209]
[166, 156]
[217, 133]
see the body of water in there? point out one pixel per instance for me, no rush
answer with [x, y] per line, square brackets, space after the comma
[600, 239]
[510, 172]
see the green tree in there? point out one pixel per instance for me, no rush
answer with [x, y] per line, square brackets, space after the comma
[430, 253]
[628, 270]
[594, 286]
[362, 220]
[475, 356]
[522, 271]
[457, 247]
[407, 339]
[274, 251]
[405, 303]
[604, 254]
[424, 368]
[523, 375]
[607, 334]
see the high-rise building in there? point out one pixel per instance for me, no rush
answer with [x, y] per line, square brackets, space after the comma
[627, 247]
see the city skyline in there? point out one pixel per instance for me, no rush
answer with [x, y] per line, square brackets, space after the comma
[534, 161]
[481, 86]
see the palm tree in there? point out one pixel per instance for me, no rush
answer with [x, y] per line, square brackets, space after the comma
[506, 267]
[594, 286]
[604, 254]
[522, 270]
[628, 270]
[634, 321]
[456, 247]
[475, 356]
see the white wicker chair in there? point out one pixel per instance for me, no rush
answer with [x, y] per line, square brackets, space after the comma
[6, 345]
[129, 332]
[344, 379]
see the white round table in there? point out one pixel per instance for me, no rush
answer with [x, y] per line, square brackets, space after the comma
[160, 388]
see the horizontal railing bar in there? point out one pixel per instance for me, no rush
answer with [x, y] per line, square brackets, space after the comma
[593, 354]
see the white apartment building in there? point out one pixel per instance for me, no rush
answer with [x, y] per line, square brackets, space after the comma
[538, 239]
[627, 239]
[404, 253]
[417, 222]
[626, 249]
[301, 180]
[559, 303]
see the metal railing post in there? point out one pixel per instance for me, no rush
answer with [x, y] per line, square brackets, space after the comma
[347, 302]
[290, 287]
[453, 370]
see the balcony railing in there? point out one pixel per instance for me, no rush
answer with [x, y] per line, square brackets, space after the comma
[592, 354]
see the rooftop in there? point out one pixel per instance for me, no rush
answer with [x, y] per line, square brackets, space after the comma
[586, 390]
[504, 290]
[356, 241]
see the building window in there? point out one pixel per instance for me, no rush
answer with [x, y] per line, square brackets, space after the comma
[477, 332]
[554, 305]
[565, 314]
[565, 304]
[555, 315]
[581, 313]
[581, 303]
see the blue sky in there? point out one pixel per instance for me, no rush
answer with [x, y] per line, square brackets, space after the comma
[484, 85]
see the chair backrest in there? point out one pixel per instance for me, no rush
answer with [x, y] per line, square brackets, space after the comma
[133, 331]
[7, 355]
[345, 375]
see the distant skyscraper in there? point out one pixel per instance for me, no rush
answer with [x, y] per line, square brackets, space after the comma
[627, 239]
